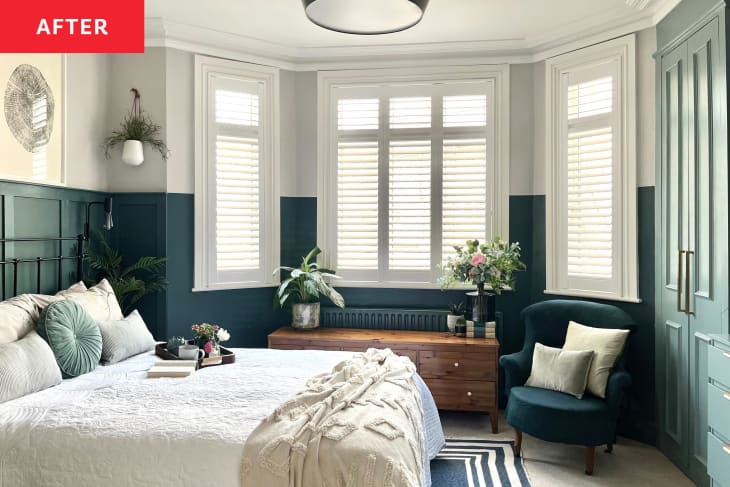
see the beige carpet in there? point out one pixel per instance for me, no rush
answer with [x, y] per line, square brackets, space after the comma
[553, 464]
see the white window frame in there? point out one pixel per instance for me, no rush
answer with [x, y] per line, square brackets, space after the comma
[498, 154]
[205, 68]
[624, 287]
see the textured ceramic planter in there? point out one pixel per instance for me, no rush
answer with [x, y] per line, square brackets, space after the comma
[305, 316]
[133, 152]
[451, 322]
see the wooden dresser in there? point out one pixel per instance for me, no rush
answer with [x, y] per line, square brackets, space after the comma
[460, 372]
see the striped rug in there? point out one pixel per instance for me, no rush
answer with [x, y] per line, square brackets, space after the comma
[478, 463]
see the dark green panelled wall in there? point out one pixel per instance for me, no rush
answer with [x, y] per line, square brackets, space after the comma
[163, 224]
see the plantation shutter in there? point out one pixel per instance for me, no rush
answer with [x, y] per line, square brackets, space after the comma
[235, 142]
[590, 157]
[412, 178]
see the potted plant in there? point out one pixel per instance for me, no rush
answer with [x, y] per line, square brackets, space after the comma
[491, 266]
[456, 311]
[130, 283]
[136, 129]
[302, 288]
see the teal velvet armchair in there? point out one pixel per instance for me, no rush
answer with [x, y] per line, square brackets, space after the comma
[554, 416]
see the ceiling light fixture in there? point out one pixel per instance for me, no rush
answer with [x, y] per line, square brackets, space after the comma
[365, 17]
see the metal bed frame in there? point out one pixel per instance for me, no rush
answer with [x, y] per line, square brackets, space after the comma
[15, 262]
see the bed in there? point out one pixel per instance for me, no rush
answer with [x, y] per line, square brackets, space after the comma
[114, 426]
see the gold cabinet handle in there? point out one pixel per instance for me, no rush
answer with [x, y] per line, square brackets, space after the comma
[726, 396]
[679, 281]
[468, 393]
[687, 253]
[726, 448]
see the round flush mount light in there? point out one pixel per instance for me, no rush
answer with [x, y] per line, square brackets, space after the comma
[365, 17]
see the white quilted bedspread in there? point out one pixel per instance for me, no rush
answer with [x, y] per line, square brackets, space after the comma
[114, 427]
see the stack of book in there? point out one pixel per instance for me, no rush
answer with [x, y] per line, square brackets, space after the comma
[481, 330]
[172, 368]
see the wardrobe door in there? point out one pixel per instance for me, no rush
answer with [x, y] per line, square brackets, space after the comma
[672, 324]
[705, 300]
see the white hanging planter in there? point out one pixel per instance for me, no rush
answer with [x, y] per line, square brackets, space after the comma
[133, 152]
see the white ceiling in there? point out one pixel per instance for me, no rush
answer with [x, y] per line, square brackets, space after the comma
[280, 28]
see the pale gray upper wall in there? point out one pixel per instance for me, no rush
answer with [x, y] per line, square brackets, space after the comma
[146, 72]
[306, 116]
[87, 81]
[180, 121]
[522, 127]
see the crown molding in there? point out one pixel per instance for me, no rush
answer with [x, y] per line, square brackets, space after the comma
[163, 33]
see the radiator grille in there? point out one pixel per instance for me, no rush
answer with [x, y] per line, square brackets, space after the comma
[384, 319]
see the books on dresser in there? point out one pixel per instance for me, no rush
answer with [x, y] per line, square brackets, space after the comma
[481, 330]
[172, 368]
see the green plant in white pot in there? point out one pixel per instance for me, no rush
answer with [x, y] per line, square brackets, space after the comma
[136, 129]
[456, 311]
[302, 288]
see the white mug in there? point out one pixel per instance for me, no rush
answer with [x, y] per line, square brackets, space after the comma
[190, 352]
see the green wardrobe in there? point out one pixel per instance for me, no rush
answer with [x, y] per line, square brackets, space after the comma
[691, 223]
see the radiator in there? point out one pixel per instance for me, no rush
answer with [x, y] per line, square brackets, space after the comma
[384, 319]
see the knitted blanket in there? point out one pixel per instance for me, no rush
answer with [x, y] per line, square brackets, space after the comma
[359, 426]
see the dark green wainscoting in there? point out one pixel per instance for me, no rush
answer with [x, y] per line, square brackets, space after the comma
[163, 225]
[38, 211]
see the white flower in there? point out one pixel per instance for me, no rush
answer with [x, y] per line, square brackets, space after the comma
[223, 335]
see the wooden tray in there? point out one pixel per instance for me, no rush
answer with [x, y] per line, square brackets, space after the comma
[226, 356]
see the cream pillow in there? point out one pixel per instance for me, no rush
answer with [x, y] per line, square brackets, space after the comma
[18, 317]
[27, 366]
[607, 345]
[43, 300]
[99, 301]
[560, 370]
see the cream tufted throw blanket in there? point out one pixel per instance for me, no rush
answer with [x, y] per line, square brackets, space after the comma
[359, 426]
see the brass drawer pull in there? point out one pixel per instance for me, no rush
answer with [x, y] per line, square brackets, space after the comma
[726, 448]
[469, 394]
[456, 364]
[726, 396]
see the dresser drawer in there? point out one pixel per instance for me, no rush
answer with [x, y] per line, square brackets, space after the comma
[719, 365]
[718, 414]
[458, 365]
[718, 459]
[287, 346]
[463, 395]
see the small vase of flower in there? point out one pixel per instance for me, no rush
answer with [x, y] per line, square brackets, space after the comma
[490, 266]
[209, 337]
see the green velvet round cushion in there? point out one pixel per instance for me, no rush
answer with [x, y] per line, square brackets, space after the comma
[73, 336]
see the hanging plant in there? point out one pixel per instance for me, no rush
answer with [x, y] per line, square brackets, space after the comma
[136, 129]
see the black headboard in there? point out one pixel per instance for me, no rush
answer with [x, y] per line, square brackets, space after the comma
[37, 261]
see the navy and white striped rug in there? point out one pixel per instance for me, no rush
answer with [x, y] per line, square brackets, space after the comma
[478, 463]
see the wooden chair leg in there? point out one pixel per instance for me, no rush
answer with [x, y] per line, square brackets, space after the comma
[609, 448]
[590, 456]
[518, 443]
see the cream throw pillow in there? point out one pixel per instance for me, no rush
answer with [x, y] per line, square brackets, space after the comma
[18, 317]
[99, 301]
[27, 365]
[560, 370]
[607, 345]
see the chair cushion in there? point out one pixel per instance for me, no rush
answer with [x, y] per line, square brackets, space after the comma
[607, 345]
[73, 336]
[554, 416]
[560, 370]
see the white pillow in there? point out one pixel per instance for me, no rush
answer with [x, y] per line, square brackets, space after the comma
[43, 300]
[560, 370]
[99, 301]
[123, 338]
[607, 345]
[26, 366]
[18, 317]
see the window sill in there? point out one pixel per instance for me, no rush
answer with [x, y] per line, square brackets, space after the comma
[407, 285]
[591, 295]
[233, 286]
